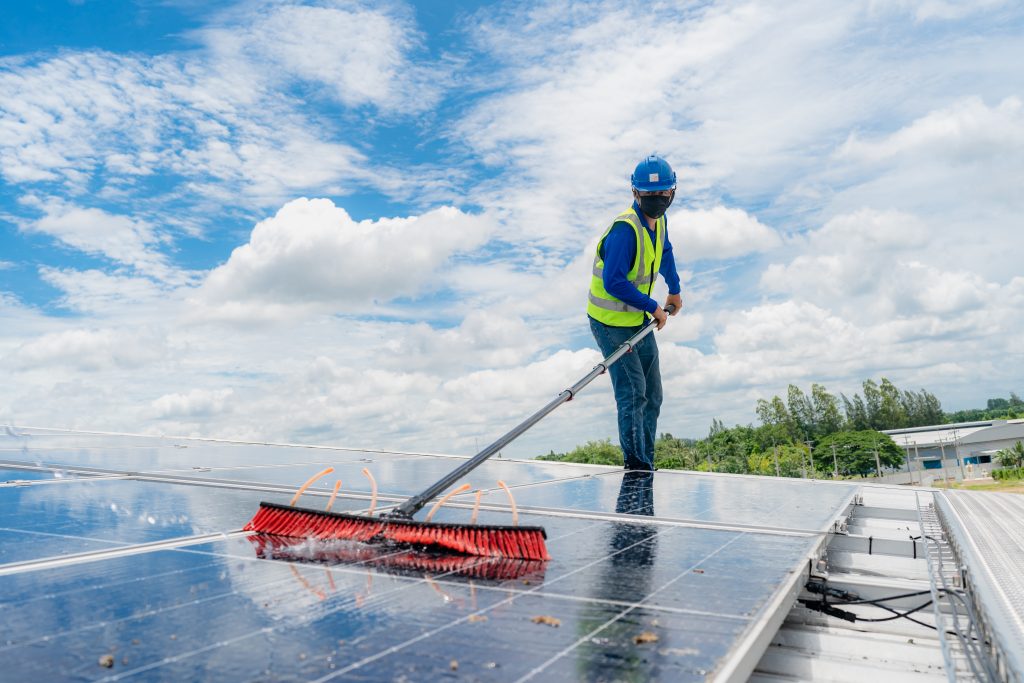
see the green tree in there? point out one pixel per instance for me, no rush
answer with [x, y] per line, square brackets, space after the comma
[1011, 457]
[827, 417]
[931, 413]
[674, 454]
[791, 460]
[801, 409]
[856, 413]
[775, 417]
[891, 412]
[873, 403]
[855, 452]
[601, 452]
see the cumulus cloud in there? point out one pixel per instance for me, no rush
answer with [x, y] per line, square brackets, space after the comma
[867, 265]
[719, 233]
[90, 350]
[197, 403]
[312, 253]
[966, 131]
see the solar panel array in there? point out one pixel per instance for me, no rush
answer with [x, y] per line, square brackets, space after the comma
[121, 557]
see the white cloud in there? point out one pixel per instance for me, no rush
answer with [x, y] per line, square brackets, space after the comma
[101, 294]
[718, 233]
[311, 253]
[220, 118]
[968, 131]
[360, 54]
[94, 231]
[870, 230]
[926, 10]
[852, 257]
[867, 265]
[198, 403]
[90, 350]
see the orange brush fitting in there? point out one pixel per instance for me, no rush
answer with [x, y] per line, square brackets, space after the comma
[373, 490]
[309, 483]
[512, 502]
[438, 504]
[476, 506]
[334, 494]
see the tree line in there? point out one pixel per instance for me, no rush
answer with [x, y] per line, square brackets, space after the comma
[806, 434]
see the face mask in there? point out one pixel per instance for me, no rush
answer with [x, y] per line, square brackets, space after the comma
[655, 205]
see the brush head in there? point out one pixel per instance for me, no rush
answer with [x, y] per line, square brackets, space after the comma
[513, 542]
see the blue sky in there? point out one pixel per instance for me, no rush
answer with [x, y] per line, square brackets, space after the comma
[371, 223]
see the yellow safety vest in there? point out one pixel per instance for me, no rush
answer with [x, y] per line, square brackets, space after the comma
[604, 307]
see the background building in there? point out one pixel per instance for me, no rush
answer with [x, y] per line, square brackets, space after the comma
[962, 450]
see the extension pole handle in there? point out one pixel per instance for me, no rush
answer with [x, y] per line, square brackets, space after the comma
[410, 507]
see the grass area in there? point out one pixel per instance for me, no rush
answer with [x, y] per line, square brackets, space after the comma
[1010, 486]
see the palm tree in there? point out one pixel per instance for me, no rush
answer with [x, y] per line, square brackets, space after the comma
[1013, 456]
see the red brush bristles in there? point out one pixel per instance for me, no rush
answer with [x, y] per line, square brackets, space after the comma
[405, 562]
[513, 542]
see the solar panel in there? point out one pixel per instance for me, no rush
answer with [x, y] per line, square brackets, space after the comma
[658, 577]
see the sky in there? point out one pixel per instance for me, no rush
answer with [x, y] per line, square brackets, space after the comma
[371, 224]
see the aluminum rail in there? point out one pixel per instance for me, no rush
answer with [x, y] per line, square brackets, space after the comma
[410, 507]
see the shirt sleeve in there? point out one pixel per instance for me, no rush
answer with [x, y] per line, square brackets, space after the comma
[619, 253]
[668, 266]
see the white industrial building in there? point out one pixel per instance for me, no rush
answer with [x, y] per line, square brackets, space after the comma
[959, 450]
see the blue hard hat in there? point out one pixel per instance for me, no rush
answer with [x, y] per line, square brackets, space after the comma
[653, 174]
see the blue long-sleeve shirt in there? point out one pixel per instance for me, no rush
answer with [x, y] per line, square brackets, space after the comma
[618, 251]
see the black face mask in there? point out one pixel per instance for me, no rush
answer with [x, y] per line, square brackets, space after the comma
[655, 205]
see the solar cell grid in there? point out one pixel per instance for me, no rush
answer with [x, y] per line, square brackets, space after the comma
[621, 598]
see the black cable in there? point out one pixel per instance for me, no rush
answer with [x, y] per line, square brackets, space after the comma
[878, 601]
[898, 615]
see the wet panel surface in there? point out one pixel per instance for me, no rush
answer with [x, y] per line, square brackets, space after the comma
[10, 476]
[621, 599]
[405, 476]
[22, 546]
[142, 453]
[124, 511]
[218, 611]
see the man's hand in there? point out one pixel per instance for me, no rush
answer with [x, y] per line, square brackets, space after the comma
[674, 300]
[661, 316]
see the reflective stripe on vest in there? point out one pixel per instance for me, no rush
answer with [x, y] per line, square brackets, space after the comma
[603, 306]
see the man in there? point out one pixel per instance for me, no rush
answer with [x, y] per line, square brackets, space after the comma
[630, 252]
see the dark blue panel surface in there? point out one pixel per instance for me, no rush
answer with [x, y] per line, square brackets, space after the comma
[125, 512]
[623, 598]
[218, 612]
[21, 546]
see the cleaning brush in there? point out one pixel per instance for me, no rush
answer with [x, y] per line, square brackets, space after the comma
[398, 526]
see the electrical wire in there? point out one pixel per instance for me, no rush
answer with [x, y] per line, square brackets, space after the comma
[879, 602]
[898, 615]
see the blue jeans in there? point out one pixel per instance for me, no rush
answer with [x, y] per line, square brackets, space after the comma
[636, 381]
